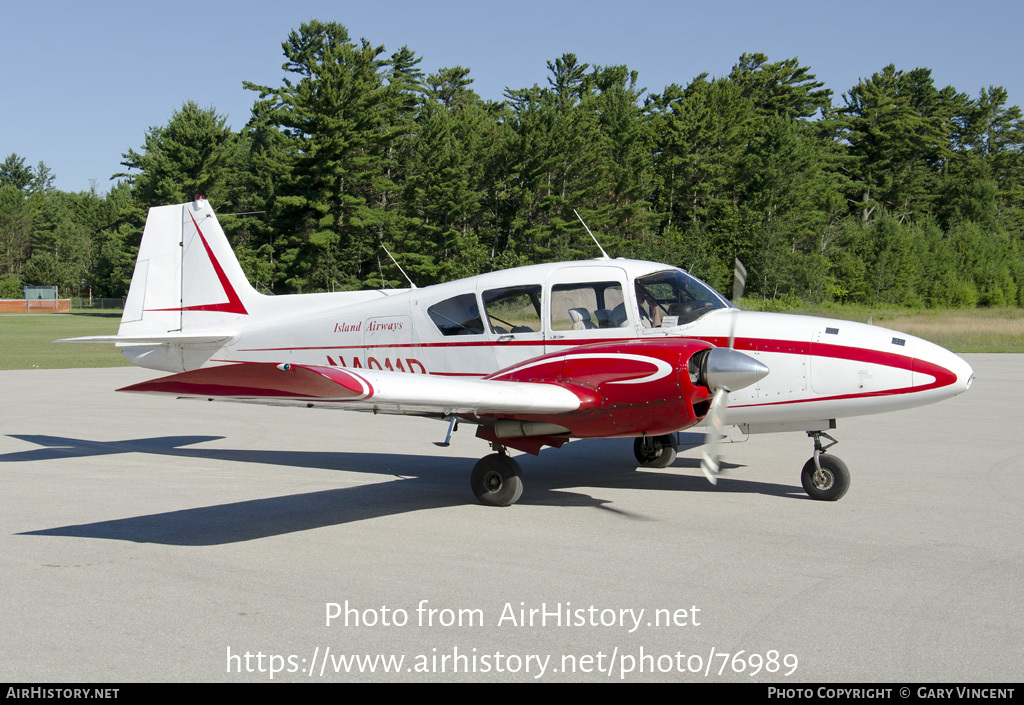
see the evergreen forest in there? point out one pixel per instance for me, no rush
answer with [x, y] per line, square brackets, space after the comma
[896, 192]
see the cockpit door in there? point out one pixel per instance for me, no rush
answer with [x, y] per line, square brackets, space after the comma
[512, 318]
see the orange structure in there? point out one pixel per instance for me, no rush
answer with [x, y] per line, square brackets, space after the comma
[35, 305]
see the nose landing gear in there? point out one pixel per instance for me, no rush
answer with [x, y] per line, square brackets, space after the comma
[824, 477]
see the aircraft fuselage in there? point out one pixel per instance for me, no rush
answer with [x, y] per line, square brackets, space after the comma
[819, 368]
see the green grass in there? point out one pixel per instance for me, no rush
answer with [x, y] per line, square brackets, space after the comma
[26, 341]
[979, 330]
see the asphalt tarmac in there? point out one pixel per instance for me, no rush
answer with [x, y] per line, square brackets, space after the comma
[151, 539]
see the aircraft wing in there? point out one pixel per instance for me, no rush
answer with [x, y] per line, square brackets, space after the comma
[377, 390]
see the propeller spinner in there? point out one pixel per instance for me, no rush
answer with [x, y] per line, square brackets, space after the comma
[725, 369]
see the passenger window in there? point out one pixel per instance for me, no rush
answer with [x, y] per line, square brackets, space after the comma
[459, 315]
[513, 309]
[588, 305]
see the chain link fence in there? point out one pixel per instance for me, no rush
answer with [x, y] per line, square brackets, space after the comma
[97, 304]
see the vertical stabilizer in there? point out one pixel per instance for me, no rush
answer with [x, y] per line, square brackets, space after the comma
[186, 278]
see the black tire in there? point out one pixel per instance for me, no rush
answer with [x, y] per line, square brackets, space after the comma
[497, 480]
[659, 453]
[834, 480]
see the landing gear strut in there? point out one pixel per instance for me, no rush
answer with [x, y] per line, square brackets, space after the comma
[824, 477]
[656, 452]
[497, 479]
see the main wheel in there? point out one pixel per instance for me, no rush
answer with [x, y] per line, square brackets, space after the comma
[497, 480]
[829, 485]
[657, 452]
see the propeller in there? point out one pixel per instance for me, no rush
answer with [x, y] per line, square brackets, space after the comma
[726, 371]
[713, 439]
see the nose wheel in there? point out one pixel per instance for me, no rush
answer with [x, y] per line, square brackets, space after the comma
[824, 477]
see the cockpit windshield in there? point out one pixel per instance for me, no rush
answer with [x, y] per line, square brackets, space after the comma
[674, 298]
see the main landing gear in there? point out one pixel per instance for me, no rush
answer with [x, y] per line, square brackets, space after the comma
[655, 452]
[824, 477]
[497, 479]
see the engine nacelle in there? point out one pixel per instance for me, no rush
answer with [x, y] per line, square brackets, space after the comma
[626, 389]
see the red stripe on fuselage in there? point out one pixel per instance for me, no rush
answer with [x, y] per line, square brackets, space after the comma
[473, 344]
[942, 376]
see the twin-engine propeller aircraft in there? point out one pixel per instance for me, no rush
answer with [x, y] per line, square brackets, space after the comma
[533, 356]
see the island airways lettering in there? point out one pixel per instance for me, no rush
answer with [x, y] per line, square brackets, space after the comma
[371, 326]
[392, 326]
[410, 364]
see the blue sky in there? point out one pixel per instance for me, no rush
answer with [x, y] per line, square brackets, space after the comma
[84, 81]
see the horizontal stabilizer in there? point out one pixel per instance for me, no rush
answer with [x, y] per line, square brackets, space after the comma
[208, 338]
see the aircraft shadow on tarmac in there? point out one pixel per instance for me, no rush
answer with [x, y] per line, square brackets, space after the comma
[414, 483]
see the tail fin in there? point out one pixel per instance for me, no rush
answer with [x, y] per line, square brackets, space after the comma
[188, 296]
[187, 280]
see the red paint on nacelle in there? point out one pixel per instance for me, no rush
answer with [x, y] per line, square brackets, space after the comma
[626, 389]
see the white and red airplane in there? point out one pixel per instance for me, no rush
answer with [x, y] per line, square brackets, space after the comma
[532, 356]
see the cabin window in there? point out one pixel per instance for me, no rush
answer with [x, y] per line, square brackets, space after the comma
[587, 305]
[458, 315]
[674, 298]
[514, 309]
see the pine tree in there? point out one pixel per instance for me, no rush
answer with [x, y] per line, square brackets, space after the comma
[192, 155]
[897, 138]
[331, 163]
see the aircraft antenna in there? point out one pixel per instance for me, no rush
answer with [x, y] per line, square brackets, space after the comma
[592, 236]
[399, 266]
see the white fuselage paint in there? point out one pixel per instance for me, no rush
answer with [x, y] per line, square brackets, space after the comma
[819, 368]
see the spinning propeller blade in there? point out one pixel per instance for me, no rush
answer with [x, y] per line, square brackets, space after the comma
[739, 282]
[736, 374]
[709, 461]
